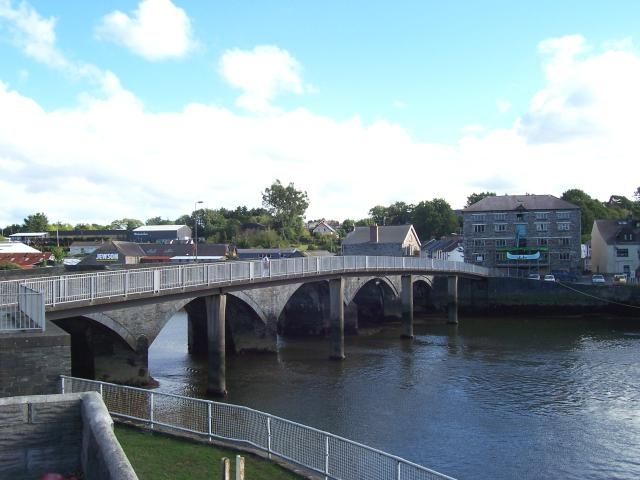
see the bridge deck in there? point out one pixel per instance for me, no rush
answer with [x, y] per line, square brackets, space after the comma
[66, 292]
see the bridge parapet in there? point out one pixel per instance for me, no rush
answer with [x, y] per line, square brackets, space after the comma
[116, 286]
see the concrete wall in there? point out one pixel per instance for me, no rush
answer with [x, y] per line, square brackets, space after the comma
[31, 363]
[507, 296]
[66, 434]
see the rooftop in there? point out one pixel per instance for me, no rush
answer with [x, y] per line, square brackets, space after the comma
[513, 202]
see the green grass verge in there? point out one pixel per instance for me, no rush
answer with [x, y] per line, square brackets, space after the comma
[157, 457]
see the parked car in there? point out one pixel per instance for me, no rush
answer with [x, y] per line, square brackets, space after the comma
[619, 279]
[549, 278]
[533, 276]
[597, 279]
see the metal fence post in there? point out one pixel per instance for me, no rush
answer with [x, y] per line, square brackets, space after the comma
[210, 418]
[326, 457]
[151, 410]
[269, 436]
[62, 385]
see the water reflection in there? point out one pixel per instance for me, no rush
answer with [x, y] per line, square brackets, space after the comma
[490, 398]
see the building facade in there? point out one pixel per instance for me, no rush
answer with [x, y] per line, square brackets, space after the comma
[523, 234]
[161, 234]
[615, 247]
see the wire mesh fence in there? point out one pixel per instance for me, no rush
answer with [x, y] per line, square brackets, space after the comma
[321, 452]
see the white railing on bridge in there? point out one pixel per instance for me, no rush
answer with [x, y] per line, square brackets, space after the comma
[122, 283]
[22, 311]
[321, 452]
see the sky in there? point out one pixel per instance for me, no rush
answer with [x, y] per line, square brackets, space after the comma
[138, 109]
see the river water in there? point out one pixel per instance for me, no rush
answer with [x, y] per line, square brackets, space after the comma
[491, 398]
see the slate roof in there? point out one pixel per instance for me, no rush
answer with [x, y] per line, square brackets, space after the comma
[512, 202]
[128, 249]
[386, 234]
[446, 244]
[184, 249]
[610, 229]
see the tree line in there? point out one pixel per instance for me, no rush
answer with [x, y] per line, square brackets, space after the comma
[279, 223]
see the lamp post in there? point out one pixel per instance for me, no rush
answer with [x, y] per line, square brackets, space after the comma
[195, 221]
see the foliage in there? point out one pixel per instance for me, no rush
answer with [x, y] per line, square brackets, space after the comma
[9, 266]
[126, 224]
[89, 226]
[37, 222]
[158, 221]
[287, 206]
[591, 209]
[476, 197]
[434, 219]
[60, 227]
[59, 253]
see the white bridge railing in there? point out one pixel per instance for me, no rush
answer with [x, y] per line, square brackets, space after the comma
[24, 311]
[117, 284]
[321, 452]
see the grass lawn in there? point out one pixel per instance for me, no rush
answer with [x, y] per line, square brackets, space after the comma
[155, 456]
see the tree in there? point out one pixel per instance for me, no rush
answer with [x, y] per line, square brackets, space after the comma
[476, 197]
[590, 209]
[38, 222]
[287, 205]
[434, 219]
[126, 224]
[379, 214]
[158, 221]
[58, 252]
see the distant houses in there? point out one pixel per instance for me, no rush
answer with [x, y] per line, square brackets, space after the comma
[615, 247]
[391, 240]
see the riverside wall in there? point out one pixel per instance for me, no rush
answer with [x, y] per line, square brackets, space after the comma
[507, 296]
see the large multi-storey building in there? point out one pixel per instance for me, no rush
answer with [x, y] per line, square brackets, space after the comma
[531, 233]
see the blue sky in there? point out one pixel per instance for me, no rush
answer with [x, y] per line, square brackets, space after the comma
[138, 108]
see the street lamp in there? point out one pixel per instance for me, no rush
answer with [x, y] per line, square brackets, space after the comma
[195, 220]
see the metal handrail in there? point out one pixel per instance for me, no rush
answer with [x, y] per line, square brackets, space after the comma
[319, 451]
[119, 284]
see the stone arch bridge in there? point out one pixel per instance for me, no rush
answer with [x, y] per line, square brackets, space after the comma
[244, 303]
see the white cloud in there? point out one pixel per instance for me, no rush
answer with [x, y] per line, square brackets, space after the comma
[107, 157]
[34, 35]
[261, 74]
[156, 30]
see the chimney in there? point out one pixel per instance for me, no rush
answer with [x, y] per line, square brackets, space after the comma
[373, 233]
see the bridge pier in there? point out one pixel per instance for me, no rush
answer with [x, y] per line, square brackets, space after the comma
[336, 318]
[406, 294]
[216, 376]
[452, 299]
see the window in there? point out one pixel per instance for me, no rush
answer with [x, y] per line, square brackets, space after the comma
[542, 227]
[477, 217]
[478, 243]
[520, 216]
[500, 227]
[542, 215]
[563, 215]
[564, 226]
[501, 242]
[479, 258]
[622, 252]
[565, 242]
[565, 256]
[500, 217]
[543, 241]
[501, 256]
[478, 228]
